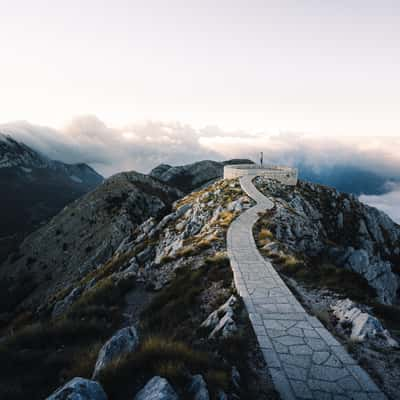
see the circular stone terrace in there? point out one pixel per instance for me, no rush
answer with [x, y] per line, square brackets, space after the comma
[285, 175]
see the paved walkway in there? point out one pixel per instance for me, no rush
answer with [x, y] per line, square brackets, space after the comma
[304, 359]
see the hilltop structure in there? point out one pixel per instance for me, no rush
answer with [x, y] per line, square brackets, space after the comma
[284, 175]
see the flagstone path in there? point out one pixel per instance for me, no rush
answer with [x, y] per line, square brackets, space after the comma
[305, 361]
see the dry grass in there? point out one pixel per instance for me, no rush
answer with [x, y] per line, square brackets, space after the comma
[225, 219]
[160, 356]
[265, 234]
[41, 356]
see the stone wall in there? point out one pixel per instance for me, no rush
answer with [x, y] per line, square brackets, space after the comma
[285, 175]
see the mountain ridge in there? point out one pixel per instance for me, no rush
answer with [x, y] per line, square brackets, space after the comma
[35, 188]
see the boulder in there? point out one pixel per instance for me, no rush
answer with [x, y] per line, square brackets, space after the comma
[377, 272]
[79, 389]
[226, 327]
[123, 342]
[61, 306]
[157, 388]
[221, 320]
[272, 247]
[363, 325]
[235, 206]
[198, 388]
[235, 377]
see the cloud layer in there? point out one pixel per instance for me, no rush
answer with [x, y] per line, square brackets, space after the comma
[145, 145]
[389, 202]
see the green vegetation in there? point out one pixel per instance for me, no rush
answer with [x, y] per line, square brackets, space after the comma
[12, 292]
[40, 356]
[389, 315]
[174, 360]
[342, 281]
[173, 311]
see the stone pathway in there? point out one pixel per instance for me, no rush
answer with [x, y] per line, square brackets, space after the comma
[304, 359]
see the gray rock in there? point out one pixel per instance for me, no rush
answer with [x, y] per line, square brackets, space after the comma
[226, 327]
[79, 389]
[198, 388]
[145, 255]
[123, 342]
[214, 318]
[222, 395]
[235, 206]
[377, 272]
[157, 388]
[235, 377]
[61, 306]
[363, 325]
[182, 210]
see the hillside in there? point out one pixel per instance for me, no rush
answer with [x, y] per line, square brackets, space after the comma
[130, 289]
[86, 233]
[34, 188]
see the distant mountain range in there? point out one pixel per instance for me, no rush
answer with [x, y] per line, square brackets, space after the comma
[34, 188]
[348, 179]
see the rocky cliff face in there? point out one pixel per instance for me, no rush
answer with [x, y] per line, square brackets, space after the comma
[34, 188]
[318, 221]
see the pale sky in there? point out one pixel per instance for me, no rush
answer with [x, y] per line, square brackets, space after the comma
[321, 67]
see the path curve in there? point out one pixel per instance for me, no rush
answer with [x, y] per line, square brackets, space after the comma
[305, 361]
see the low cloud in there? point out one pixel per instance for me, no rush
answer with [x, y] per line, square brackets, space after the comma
[389, 202]
[143, 146]
[109, 150]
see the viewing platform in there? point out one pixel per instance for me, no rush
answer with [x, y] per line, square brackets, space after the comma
[286, 175]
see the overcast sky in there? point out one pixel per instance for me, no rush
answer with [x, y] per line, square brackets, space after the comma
[315, 66]
[126, 84]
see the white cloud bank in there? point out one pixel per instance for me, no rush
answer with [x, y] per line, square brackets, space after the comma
[145, 145]
[389, 202]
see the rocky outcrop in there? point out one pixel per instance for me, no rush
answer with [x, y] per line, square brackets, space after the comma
[361, 325]
[194, 224]
[375, 270]
[313, 220]
[122, 343]
[198, 388]
[220, 321]
[79, 389]
[62, 305]
[157, 388]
